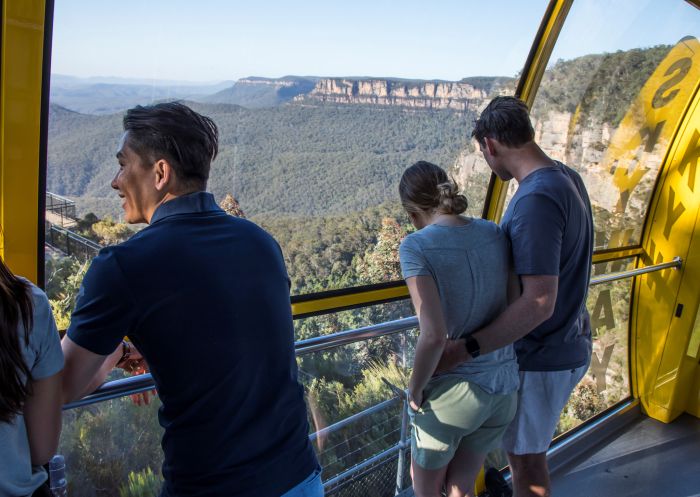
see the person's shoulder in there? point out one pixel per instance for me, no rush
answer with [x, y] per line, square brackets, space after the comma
[42, 315]
[551, 183]
[412, 240]
[486, 226]
[39, 299]
[486, 231]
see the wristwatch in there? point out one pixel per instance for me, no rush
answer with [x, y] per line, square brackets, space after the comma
[473, 347]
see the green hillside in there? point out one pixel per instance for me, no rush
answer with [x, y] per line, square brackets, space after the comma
[604, 84]
[290, 159]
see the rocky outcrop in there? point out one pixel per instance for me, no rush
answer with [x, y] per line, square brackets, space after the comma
[457, 96]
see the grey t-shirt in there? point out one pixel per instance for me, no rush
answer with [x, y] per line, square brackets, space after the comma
[550, 226]
[45, 358]
[470, 265]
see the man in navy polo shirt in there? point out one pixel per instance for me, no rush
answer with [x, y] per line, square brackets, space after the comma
[204, 297]
[550, 226]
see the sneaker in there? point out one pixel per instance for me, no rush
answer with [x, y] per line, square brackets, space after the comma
[496, 484]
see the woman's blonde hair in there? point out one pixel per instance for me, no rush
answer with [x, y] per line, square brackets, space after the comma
[426, 187]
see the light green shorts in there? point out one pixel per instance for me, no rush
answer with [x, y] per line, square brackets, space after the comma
[457, 414]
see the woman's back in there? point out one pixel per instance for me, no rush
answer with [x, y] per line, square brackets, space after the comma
[470, 265]
[44, 358]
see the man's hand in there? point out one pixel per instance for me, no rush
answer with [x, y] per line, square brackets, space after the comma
[415, 400]
[454, 354]
[136, 365]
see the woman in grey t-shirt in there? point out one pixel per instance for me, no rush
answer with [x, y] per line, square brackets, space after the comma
[457, 272]
[31, 362]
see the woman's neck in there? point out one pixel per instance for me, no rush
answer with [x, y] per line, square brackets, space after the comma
[447, 220]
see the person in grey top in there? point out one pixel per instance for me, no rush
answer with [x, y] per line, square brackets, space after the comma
[31, 363]
[457, 273]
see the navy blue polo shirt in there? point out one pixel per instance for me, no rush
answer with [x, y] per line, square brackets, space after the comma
[205, 298]
[550, 226]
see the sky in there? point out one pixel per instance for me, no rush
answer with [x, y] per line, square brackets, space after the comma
[218, 40]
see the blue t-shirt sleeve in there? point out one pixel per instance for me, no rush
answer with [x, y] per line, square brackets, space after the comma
[45, 339]
[104, 310]
[413, 262]
[536, 231]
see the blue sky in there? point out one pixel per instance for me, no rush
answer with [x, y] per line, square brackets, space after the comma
[214, 40]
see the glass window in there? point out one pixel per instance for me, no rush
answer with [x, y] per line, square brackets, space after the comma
[615, 89]
[607, 380]
[320, 109]
[112, 448]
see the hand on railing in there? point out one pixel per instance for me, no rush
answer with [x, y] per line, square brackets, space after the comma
[136, 364]
[414, 400]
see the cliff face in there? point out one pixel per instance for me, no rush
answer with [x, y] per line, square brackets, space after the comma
[458, 96]
[585, 146]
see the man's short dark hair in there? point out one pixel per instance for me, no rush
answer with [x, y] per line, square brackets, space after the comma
[507, 120]
[174, 132]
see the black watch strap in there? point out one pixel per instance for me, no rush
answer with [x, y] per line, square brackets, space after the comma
[473, 347]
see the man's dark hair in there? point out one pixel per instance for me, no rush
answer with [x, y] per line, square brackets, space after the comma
[174, 132]
[507, 120]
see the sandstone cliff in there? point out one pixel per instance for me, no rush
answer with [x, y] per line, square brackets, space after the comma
[459, 96]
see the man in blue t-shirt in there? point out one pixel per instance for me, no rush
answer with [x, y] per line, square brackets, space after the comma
[550, 226]
[204, 299]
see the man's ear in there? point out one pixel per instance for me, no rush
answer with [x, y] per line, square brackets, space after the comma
[491, 145]
[164, 174]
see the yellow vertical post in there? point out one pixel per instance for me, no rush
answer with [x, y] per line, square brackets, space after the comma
[21, 77]
[535, 65]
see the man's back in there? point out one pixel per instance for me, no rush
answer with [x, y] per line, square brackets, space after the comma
[205, 298]
[550, 225]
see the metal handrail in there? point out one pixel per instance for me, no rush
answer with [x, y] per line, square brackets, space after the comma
[144, 382]
[675, 263]
[351, 419]
[325, 342]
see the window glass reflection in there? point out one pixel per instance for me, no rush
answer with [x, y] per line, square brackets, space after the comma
[610, 100]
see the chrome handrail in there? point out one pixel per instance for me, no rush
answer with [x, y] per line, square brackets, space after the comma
[325, 342]
[144, 382]
[675, 263]
[351, 419]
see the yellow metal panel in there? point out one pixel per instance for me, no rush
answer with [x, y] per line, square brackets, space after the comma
[365, 297]
[374, 296]
[613, 255]
[535, 65]
[20, 118]
[662, 373]
[550, 29]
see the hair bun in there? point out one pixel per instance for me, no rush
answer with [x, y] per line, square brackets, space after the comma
[426, 187]
[449, 198]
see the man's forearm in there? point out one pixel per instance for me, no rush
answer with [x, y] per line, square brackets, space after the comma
[106, 368]
[519, 319]
[84, 373]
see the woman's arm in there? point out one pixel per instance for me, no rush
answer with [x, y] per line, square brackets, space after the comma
[433, 334]
[42, 416]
